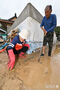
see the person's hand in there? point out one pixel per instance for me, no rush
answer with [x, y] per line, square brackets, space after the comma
[45, 32]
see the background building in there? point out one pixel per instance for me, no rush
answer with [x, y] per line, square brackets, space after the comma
[5, 24]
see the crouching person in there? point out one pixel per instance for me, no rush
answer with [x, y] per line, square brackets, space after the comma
[17, 46]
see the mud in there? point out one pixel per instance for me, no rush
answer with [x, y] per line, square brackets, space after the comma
[29, 74]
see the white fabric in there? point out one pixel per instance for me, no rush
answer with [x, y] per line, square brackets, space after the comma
[24, 34]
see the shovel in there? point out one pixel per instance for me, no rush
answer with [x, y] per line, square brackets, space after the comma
[39, 55]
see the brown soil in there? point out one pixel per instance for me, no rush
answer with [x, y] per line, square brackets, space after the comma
[29, 74]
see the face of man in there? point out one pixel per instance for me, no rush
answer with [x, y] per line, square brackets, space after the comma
[47, 12]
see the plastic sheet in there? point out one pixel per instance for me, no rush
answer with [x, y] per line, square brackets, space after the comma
[3, 46]
[34, 46]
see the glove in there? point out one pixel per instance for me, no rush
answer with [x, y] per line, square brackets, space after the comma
[18, 46]
[27, 45]
[11, 62]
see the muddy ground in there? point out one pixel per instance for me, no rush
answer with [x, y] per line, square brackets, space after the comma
[29, 74]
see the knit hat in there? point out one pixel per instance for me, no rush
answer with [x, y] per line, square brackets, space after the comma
[24, 34]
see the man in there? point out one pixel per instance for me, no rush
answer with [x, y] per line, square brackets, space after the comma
[17, 46]
[48, 24]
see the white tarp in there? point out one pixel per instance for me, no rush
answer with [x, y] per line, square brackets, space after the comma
[36, 34]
